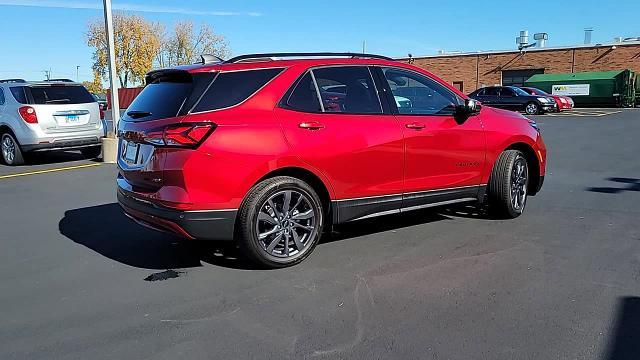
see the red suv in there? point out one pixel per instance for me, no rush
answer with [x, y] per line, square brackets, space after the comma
[271, 149]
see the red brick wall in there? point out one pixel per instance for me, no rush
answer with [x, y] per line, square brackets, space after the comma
[486, 69]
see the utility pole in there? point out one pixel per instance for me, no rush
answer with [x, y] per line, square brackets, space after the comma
[364, 46]
[110, 143]
[47, 74]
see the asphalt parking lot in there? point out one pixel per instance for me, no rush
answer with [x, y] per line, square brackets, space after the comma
[78, 280]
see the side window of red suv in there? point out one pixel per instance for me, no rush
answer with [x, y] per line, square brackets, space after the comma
[347, 89]
[415, 94]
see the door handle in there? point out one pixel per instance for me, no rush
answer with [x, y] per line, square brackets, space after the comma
[415, 126]
[311, 125]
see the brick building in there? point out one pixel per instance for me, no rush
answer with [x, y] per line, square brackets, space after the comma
[469, 71]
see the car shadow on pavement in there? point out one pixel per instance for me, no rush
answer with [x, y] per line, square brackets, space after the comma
[106, 230]
[626, 184]
[624, 344]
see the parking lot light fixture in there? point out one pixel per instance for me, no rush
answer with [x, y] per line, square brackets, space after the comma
[109, 144]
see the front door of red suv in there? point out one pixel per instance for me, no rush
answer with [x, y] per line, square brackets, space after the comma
[442, 154]
[334, 121]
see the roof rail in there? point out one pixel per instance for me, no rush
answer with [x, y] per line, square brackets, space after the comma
[59, 80]
[209, 59]
[12, 81]
[266, 56]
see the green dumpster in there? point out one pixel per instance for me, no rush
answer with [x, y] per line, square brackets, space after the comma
[602, 88]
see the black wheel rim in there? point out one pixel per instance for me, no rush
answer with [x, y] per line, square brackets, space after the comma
[287, 223]
[519, 182]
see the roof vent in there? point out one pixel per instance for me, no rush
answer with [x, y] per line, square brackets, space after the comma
[587, 36]
[541, 39]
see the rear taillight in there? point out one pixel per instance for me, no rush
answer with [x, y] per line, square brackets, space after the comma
[180, 135]
[28, 114]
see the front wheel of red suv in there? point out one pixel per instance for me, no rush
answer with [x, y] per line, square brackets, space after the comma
[280, 222]
[507, 188]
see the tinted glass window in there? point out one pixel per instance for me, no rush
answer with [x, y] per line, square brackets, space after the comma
[18, 94]
[59, 95]
[347, 89]
[418, 94]
[159, 100]
[1, 97]
[232, 88]
[492, 91]
[305, 97]
[519, 91]
[507, 92]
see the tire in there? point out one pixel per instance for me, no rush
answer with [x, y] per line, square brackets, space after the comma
[91, 152]
[278, 239]
[508, 185]
[532, 108]
[10, 148]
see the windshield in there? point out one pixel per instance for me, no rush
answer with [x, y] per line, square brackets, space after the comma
[519, 91]
[534, 91]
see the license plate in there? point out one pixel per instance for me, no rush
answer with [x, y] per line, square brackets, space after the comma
[130, 152]
[73, 119]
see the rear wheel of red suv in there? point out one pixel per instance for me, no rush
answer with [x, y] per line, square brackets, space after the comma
[280, 222]
[507, 188]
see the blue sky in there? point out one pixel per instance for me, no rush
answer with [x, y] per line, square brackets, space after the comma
[43, 34]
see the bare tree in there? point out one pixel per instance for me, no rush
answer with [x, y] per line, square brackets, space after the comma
[184, 46]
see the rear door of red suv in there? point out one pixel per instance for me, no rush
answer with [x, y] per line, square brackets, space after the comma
[334, 121]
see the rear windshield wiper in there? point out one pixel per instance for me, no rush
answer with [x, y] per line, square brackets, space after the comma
[135, 114]
[57, 101]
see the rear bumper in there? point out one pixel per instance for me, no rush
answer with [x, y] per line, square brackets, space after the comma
[64, 144]
[201, 225]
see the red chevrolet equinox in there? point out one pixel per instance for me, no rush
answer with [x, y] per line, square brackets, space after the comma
[268, 150]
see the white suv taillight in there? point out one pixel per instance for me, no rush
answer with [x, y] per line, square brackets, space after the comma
[28, 114]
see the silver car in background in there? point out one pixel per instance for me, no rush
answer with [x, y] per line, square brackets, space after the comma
[46, 116]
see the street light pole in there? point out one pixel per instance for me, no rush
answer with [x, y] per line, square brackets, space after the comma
[109, 144]
[77, 73]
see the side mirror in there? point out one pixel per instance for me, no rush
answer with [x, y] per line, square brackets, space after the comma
[470, 108]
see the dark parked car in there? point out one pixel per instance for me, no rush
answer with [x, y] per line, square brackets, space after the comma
[514, 98]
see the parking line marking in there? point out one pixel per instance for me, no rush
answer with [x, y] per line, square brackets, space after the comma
[37, 172]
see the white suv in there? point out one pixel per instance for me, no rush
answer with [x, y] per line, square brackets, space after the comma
[47, 115]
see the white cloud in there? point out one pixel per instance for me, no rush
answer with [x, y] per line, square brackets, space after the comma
[97, 5]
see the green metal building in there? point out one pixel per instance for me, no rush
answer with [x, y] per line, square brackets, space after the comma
[602, 88]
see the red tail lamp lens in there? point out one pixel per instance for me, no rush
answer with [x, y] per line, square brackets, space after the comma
[28, 114]
[180, 135]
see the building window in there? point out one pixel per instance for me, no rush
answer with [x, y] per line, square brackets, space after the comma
[459, 85]
[518, 77]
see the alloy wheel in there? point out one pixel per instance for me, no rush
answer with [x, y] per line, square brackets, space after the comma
[286, 223]
[519, 181]
[8, 149]
[531, 109]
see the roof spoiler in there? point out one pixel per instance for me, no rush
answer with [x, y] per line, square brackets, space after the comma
[58, 80]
